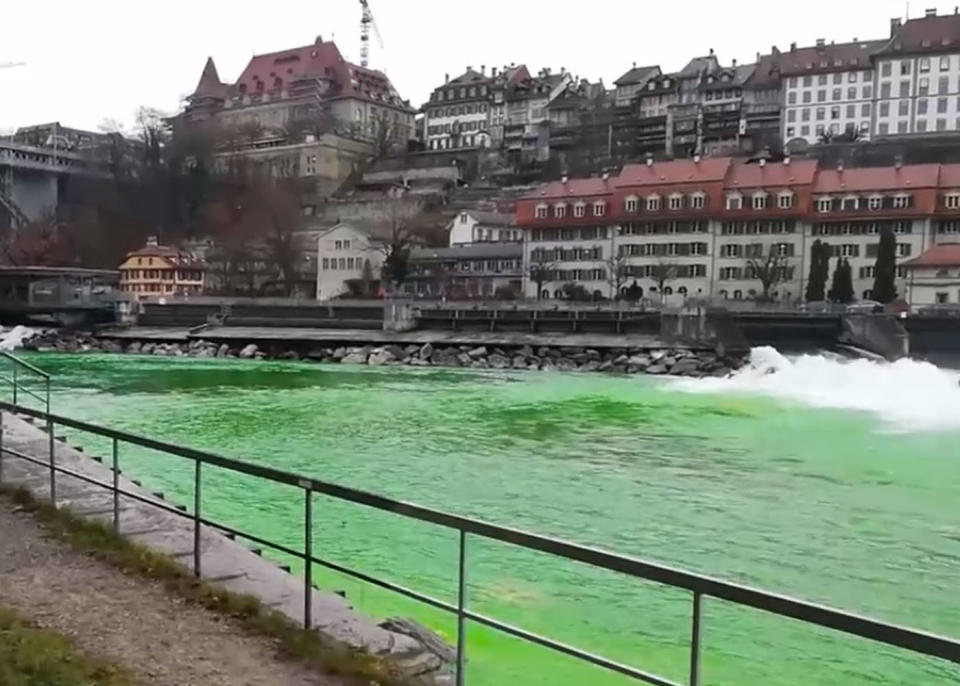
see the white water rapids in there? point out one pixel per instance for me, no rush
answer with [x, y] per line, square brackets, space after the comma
[911, 395]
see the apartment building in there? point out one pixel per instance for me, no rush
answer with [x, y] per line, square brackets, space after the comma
[713, 225]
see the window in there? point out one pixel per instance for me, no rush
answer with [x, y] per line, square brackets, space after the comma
[824, 204]
[901, 202]
[580, 209]
[599, 208]
[734, 202]
[759, 201]
[631, 204]
[785, 201]
[953, 201]
[653, 203]
[560, 211]
[697, 201]
[541, 211]
[676, 202]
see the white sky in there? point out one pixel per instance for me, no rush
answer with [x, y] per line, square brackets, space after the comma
[90, 60]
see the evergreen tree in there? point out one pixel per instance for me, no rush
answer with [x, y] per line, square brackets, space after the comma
[819, 271]
[885, 270]
[845, 291]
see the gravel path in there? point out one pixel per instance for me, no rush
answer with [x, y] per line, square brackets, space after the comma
[133, 622]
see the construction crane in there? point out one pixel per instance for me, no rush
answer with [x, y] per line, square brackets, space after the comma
[366, 25]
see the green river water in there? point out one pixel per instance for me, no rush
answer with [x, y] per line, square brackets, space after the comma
[833, 506]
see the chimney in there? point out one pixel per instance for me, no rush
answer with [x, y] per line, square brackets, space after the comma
[894, 26]
[786, 160]
[930, 12]
[793, 46]
[821, 42]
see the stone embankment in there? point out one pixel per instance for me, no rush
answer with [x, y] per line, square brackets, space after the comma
[672, 361]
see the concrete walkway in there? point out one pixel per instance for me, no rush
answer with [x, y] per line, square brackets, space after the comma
[224, 561]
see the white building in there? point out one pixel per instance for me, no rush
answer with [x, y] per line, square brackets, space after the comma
[933, 278]
[345, 254]
[477, 226]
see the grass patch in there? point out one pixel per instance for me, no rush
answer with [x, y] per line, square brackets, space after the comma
[293, 641]
[30, 656]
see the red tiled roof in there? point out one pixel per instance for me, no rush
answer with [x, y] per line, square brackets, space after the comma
[321, 60]
[878, 178]
[925, 34]
[210, 83]
[573, 188]
[943, 255]
[674, 172]
[753, 175]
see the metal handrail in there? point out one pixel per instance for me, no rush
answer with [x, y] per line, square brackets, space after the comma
[700, 585]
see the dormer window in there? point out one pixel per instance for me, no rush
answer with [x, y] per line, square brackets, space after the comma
[824, 204]
[698, 201]
[580, 209]
[541, 211]
[759, 201]
[952, 201]
[734, 201]
[901, 202]
[653, 203]
[631, 204]
[875, 202]
[599, 208]
[676, 201]
[785, 200]
[560, 211]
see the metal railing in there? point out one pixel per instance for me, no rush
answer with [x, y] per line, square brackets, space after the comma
[699, 586]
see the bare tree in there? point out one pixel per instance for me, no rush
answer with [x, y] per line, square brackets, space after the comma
[616, 273]
[769, 271]
[661, 273]
[542, 269]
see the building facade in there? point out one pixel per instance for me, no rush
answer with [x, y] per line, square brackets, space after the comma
[160, 270]
[718, 228]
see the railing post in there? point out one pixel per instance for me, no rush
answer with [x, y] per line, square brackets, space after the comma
[461, 608]
[196, 519]
[116, 487]
[695, 640]
[308, 558]
[53, 463]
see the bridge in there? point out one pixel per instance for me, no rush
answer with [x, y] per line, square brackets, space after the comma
[32, 178]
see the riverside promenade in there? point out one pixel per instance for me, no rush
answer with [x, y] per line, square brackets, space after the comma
[225, 562]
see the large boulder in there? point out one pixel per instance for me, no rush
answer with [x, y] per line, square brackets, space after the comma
[248, 351]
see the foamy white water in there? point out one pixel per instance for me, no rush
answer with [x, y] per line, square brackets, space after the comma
[14, 338]
[911, 395]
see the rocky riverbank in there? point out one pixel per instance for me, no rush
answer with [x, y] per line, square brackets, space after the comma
[673, 361]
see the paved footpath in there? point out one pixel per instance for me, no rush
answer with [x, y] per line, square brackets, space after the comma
[132, 622]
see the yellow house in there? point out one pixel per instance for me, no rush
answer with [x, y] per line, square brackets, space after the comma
[159, 270]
